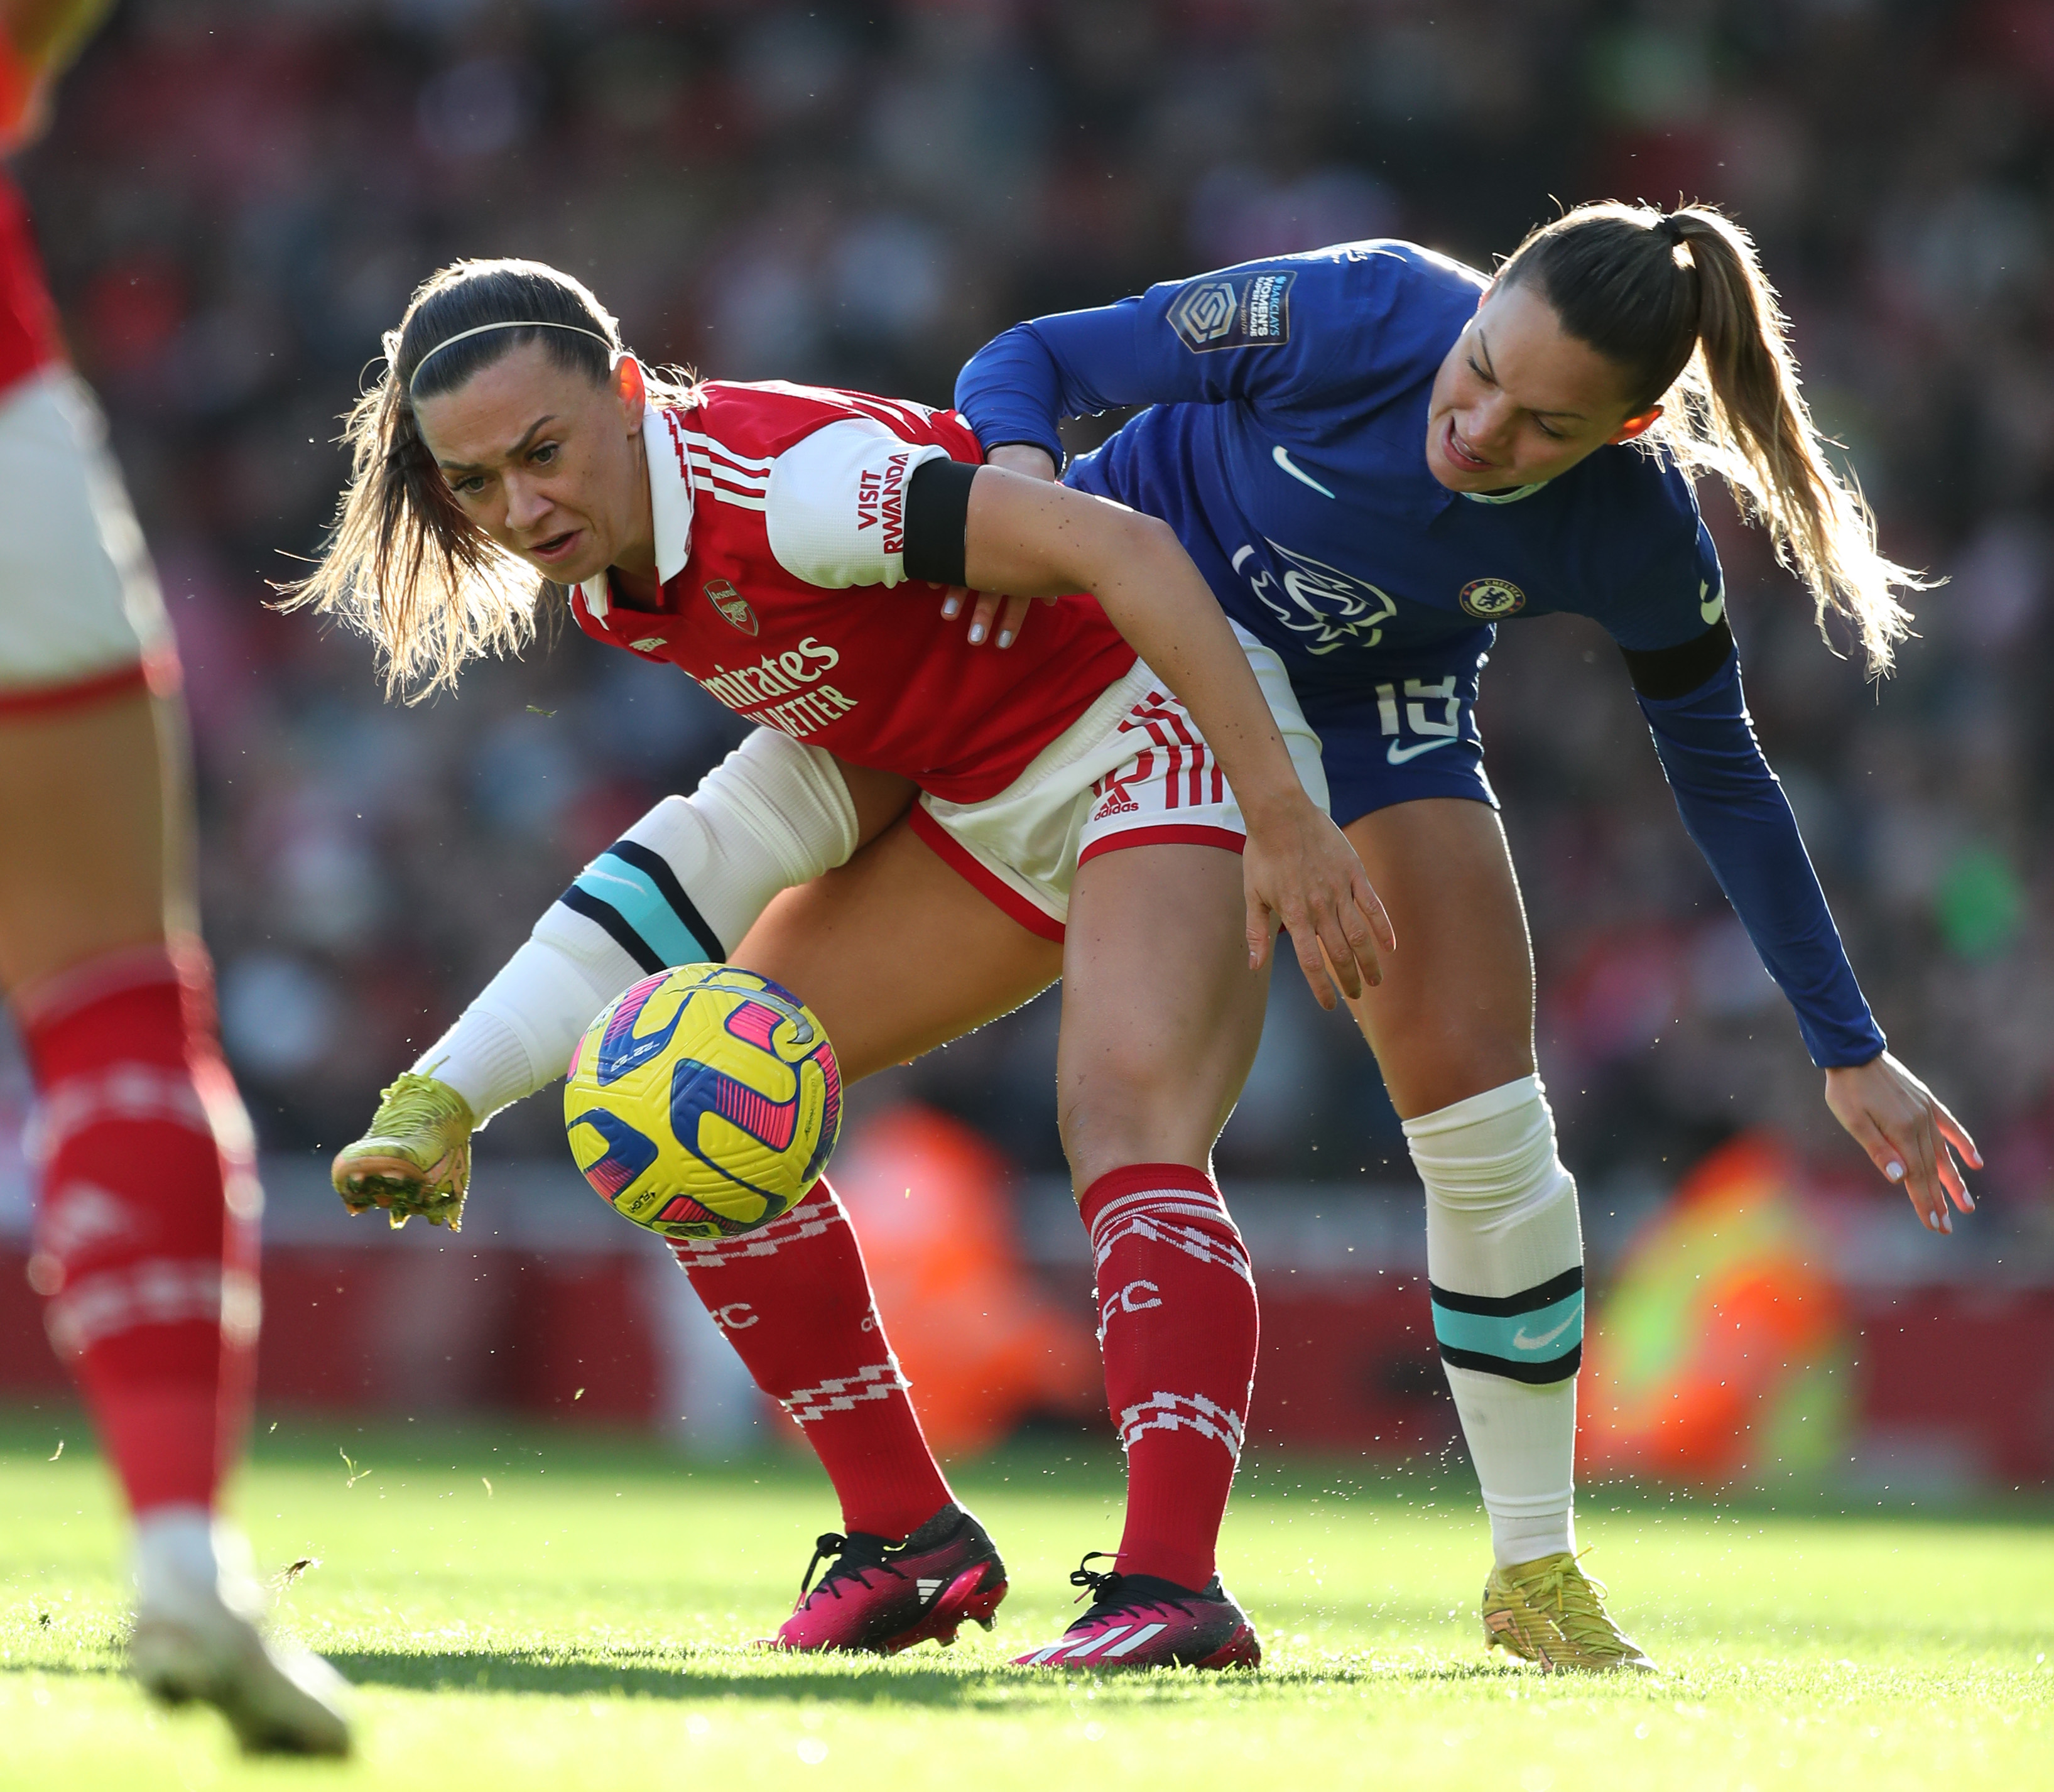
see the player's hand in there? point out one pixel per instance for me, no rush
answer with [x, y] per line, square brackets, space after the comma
[1908, 1132]
[1009, 613]
[1299, 868]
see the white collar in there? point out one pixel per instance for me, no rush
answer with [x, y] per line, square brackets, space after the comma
[1512, 496]
[670, 492]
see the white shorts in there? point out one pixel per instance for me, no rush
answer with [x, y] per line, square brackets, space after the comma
[1131, 770]
[80, 615]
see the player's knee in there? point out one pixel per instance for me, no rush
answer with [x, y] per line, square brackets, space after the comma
[789, 796]
[1137, 1113]
[1431, 1076]
[689, 879]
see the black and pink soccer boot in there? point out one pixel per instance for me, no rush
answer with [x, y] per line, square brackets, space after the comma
[1139, 1620]
[880, 1597]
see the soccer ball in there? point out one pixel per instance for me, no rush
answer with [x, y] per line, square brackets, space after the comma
[703, 1102]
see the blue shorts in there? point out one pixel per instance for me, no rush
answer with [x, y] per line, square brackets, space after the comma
[1404, 730]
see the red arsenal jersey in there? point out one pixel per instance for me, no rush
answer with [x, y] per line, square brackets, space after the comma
[772, 502]
[29, 337]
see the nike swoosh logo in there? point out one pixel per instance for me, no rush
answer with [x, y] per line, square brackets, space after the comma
[1282, 457]
[1712, 610]
[1398, 755]
[1521, 1341]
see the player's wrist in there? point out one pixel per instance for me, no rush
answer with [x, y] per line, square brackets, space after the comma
[1274, 805]
[1027, 457]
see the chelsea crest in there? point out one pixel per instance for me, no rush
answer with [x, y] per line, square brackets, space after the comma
[1489, 600]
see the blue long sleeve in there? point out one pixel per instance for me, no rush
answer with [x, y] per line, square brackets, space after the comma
[1263, 332]
[1017, 386]
[1734, 809]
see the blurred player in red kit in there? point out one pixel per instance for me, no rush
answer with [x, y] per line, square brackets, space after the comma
[145, 1243]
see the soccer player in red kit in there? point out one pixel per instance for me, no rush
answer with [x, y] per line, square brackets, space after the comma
[1127, 806]
[145, 1239]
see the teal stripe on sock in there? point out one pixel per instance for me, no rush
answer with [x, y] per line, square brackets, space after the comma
[1546, 1334]
[642, 906]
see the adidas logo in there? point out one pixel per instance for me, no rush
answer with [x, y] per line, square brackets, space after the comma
[648, 644]
[1119, 803]
[928, 1588]
[1129, 1637]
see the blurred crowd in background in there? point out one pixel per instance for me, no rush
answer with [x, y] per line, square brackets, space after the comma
[237, 196]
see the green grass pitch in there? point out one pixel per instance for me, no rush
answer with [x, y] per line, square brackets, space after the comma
[584, 1621]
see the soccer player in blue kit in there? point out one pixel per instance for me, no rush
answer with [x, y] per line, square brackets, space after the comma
[1375, 455]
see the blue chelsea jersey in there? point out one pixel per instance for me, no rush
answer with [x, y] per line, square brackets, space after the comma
[1285, 442]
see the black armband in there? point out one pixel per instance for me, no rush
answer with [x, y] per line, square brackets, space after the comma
[937, 517]
[1665, 673]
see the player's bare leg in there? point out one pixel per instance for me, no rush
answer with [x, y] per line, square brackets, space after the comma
[1453, 1015]
[88, 784]
[1452, 1027]
[148, 1180]
[1161, 1020]
[841, 942]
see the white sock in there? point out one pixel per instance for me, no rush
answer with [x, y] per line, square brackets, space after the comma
[186, 1561]
[1505, 1257]
[685, 883]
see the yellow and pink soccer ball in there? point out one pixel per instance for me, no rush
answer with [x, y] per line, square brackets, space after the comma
[703, 1102]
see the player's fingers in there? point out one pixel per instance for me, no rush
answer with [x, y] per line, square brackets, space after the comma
[1933, 1164]
[1914, 1143]
[1361, 933]
[1957, 1134]
[1933, 1144]
[1312, 960]
[1356, 954]
[980, 618]
[1315, 973]
[952, 601]
[1884, 1155]
[1371, 905]
[1342, 965]
[1257, 929]
[1951, 1178]
[1011, 619]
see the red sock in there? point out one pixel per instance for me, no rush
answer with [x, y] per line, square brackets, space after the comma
[1177, 1326]
[146, 1230]
[794, 1300]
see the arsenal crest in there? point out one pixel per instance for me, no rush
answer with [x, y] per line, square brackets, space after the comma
[732, 605]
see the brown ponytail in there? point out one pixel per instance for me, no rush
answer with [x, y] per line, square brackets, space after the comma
[1680, 303]
[402, 563]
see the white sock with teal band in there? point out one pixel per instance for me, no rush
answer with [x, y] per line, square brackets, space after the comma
[684, 884]
[1505, 1257]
